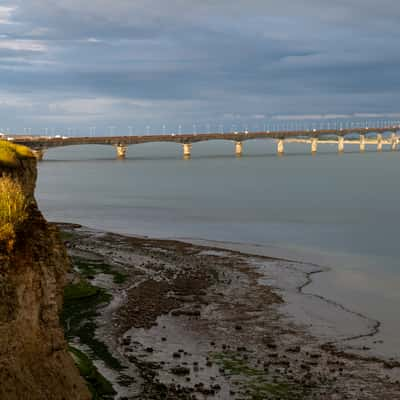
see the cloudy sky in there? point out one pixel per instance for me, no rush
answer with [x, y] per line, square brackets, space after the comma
[67, 64]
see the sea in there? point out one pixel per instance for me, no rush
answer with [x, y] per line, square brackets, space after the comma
[339, 211]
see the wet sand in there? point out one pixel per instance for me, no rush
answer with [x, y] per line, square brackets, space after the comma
[199, 322]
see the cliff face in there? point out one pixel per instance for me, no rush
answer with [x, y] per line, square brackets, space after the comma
[34, 361]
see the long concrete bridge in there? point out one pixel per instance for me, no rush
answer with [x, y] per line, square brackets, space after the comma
[360, 136]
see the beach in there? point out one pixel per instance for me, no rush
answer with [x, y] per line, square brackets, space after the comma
[190, 321]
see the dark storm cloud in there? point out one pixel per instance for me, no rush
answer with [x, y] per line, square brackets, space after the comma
[161, 62]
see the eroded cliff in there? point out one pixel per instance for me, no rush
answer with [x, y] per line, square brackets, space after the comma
[34, 359]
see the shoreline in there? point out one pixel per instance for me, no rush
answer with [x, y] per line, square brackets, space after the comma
[361, 348]
[284, 280]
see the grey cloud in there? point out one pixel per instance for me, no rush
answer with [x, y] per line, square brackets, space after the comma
[200, 61]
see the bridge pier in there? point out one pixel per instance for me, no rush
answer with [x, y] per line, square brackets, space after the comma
[187, 150]
[238, 148]
[394, 140]
[340, 144]
[362, 143]
[39, 154]
[379, 143]
[314, 145]
[121, 151]
[280, 147]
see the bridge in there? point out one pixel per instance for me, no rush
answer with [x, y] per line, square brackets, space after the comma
[360, 136]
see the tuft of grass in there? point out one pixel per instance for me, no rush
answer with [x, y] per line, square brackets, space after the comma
[13, 210]
[11, 153]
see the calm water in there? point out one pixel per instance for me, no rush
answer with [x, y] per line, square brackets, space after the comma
[337, 210]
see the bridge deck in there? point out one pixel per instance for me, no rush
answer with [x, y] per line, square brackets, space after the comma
[39, 142]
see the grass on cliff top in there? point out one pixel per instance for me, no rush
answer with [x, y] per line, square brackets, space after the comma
[13, 210]
[11, 153]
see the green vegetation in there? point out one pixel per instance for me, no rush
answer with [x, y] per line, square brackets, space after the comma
[66, 236]
[13, 205]
[89, 269]
[257, 382]
[234, 364]
[81, 303]
[11, 153]
[13, 210]
[100, 388]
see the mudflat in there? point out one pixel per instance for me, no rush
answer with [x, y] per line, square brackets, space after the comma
[184, 321]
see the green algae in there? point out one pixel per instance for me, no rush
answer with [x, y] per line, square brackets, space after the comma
[81, 303]
[100, 388]
[89, 268]
[257, 383]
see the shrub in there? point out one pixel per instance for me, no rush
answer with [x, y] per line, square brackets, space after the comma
[13, 210]
[11, 153]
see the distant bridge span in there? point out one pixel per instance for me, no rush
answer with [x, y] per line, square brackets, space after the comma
[40, 143]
